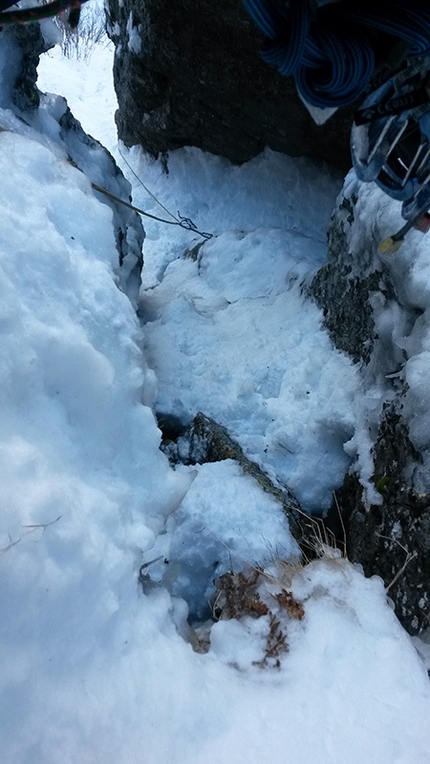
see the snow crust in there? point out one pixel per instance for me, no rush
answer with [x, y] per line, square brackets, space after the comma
[134, 38]
[251, 354]
[94, 669]
[229, 329]
[88, 86]
[402, 325]
[219, 528]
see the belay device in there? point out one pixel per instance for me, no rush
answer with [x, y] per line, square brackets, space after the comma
[337, 50]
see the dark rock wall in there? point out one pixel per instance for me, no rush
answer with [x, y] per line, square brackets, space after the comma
[198, 80]
[388, 532]
[392, 539]
[26, 44]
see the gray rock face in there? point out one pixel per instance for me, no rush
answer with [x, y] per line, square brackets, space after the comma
[24, 44]
[392, 540]
[388, 534]
[190, 74]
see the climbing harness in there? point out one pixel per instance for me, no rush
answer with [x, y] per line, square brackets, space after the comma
[377, 49]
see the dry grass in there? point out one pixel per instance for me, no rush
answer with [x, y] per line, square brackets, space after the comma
[80, 42]
[266, 591]
[255, 593]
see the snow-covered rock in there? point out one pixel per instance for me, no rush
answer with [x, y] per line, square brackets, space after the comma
[376, 308]
[24, 106]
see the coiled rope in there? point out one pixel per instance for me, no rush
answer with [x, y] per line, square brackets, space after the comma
[332, 50]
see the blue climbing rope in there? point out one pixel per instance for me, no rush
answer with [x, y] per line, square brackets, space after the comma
[332, 50]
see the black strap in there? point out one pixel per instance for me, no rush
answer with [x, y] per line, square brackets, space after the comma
[394, 105]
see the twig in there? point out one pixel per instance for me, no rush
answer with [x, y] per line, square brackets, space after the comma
[341, 522]
[409, 559]
[31, 529]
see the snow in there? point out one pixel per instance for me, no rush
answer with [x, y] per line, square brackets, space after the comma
[89, 85]
[134, 38]
[402, 328]
[213, 514]
[250, 354]
[97, 667]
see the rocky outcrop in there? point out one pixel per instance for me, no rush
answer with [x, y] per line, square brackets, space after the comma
[205, 441]
[50, 116]
[392, 539]
[190, 74]
[343, 292]
[100, 167]
[368, 311]
[26, 45]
